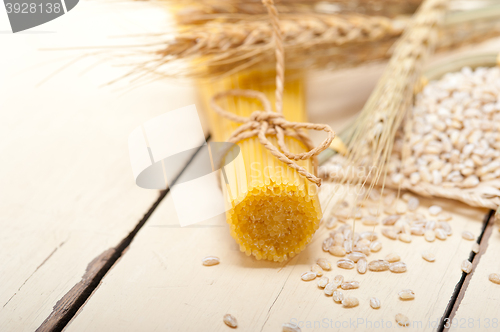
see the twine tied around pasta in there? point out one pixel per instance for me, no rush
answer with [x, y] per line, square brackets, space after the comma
[268, 122]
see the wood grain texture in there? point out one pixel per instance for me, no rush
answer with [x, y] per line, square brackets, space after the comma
[160, 283]
[77, 293]
[67, 190]
[478, 303]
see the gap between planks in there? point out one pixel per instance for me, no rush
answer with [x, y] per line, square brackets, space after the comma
[67, 307]
[462, 284]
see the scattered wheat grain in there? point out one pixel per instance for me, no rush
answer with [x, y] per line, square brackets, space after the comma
[338, 296]
[375, 246]
[291, 327]
[356, 256]
[350, 302]
[466, 266]
[429, 235]
[402, 320]
[346, 285]
[337, 251]
[308, 276]
[416, 230]
[329, 288]
[230, 321]
[362, 266]
[348, 246]
[401, 208]
[374, 303]
[338, 280]
[327, 243]
[428, 256]
[404, 237]
[370, 236]
[322, 282]
[378, 265]
[440, 234]
[406, 294]
[398, 267]
[324, 263]
[466, 235]
[338, 239]
[445, 226]
[389, 233]
[317, 269]
[392, 257]
[444, 216]
[475, 247]
[345, 263]
[369, 221]
[331, 223]
[364, 249]
[210, 260]
[413, 203]
[494, 278]
[434, 210]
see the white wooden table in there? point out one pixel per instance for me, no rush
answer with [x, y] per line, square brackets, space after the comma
[82, 248]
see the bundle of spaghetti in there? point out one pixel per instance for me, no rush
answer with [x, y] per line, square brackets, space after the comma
[272, 210]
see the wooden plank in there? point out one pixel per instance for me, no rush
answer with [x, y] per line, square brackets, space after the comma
[477, 304]
[160, 283]
[68, 197]
[161, 273]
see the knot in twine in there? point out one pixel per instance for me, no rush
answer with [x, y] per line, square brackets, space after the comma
[267, 122]
[259, 116]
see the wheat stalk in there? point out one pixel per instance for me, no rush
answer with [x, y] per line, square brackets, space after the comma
[336, 41]
[310, 40]
[222, 48]
[372, 136]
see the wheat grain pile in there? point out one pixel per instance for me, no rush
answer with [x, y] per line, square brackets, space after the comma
[452, 141]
